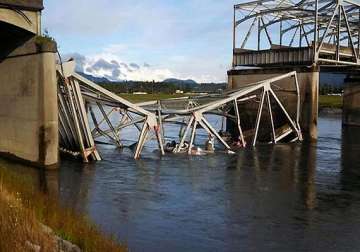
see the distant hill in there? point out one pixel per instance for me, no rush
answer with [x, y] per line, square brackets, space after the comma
[180, 82]
[174, 81]
[95, 79]
[166, 86]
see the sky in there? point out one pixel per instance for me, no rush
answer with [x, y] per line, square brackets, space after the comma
[145, 40]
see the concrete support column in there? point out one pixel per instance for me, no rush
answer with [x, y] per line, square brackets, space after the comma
[48, 111]
[309, 86]
[309, 89]
[28, 104]
[351, 103]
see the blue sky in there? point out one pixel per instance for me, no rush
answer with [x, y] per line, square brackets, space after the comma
[181, 38]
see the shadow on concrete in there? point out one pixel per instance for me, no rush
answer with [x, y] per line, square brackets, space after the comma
[11, 37]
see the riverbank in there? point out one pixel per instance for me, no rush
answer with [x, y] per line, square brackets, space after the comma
[330, 104]
[27, 215]
[330, 101]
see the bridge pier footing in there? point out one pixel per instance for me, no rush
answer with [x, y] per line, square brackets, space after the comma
[308, 78]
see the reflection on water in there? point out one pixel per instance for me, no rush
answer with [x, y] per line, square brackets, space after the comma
[295, 197]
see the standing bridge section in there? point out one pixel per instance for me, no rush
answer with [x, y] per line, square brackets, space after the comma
[275, 36]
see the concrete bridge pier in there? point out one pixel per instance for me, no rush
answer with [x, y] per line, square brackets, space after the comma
[28, 90]
[309, 89]
[351, 101]
[28, 104]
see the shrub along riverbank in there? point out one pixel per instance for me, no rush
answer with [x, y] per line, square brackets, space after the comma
[330, 101]
[24, 211]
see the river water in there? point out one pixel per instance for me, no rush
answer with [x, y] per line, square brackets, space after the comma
[297, 197]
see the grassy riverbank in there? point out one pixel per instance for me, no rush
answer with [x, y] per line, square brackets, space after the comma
[19, 226]
[330, 101]
[23, 208]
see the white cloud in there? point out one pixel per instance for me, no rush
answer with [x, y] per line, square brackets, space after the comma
[115, 69]
[184, 39]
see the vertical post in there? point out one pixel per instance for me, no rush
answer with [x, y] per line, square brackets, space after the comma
[236, 107]
[182, 141]
[281, 32]
[338, 35]
[258, 119]
[316, 32]
[85, 123]
[76, 120]
[159, 140]
[141, 140]
[234, 36]
[359, 34]
[300, 38]
[192, 137]
[271, 118]
[266, 32]
[298, 106]
[259, 33]
[161, 122]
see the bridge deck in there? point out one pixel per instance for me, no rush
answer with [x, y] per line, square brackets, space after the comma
[290, 56]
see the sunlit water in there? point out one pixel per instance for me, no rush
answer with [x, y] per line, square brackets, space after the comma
[297, 197]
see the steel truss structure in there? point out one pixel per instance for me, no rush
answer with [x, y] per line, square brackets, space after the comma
[262, 93]
[86, 113]
[78, 97]
[330, 28]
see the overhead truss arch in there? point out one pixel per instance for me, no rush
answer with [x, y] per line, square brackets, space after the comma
[331, 28]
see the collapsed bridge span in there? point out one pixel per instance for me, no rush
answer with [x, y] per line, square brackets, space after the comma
[88, 112]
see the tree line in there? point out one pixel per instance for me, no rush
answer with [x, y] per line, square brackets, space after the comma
[326, 89]
[152, 87]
